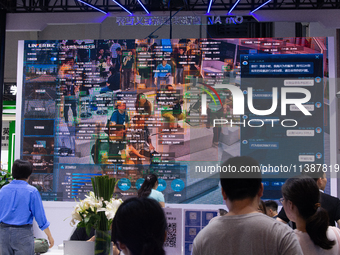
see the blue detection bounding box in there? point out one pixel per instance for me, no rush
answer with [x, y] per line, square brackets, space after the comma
[282, 64]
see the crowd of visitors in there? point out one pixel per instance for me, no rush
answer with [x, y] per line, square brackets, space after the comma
[251, 226]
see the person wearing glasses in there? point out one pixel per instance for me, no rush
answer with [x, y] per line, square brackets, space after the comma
[301, 201]
[329, 203]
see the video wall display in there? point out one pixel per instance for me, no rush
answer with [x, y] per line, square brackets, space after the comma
[176, 108]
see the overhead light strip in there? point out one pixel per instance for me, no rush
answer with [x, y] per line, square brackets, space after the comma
[92, 6]
[232, 8]
[209, 7]
[121, 6]
[143, 7]
[260, 6]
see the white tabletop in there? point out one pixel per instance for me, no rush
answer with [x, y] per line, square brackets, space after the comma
[55, 251]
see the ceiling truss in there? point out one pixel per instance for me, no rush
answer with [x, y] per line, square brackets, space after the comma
[20, 6]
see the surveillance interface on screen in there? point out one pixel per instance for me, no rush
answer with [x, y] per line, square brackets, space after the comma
[176, 108]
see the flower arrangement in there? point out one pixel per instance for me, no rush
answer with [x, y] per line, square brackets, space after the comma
[98, 208]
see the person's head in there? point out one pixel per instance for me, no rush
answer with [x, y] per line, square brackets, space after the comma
[22, 169]
[141, 99]
[119, 51]
[318, 176]
[139, 227]
[121, 106]
[164, 62]
[262, 207]
[271, 207]
[142, 105]
[237, 185]
[150, 182]
[301, 198]
[222, 212]
[112, 70]
[181, 51]
[101, 51]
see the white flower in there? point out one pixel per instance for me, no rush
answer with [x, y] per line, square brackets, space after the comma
[93, 202]
[112, 207]
[75, 216]
[92, 205]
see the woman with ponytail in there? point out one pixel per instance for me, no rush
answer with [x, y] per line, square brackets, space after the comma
[139, 227]
[301, 203]
[148, 189]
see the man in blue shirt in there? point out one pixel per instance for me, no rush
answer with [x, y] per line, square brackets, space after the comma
[120, 116]
[20, 202]
[163, 71]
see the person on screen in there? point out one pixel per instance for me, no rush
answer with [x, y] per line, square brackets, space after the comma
[20, 203]
[142, 105]
[181, 60]
[223, 112]
[101, 57]
[70, 90]
[163, 72]
[127, 68]
[139, 141]
[228, 68]
[301, 201]
[113, 82]
[139, 227]
[149, 189]
[244, 230]
[117, 63]
[113, 49]
[120, 116]
[172, 110]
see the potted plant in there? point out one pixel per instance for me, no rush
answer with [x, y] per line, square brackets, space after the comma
[97, 211]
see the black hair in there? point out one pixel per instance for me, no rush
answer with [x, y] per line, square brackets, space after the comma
[305, 195]
[148, 184]
[262, 207]
[271, 204]
[222, 212]
[119, 49]
[142, 108]
[308, 171]
[141, 225]
[22, 169]
[236, 185]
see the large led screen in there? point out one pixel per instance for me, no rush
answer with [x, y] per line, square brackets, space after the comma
[177, 108]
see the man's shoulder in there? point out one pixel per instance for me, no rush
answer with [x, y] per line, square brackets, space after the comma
[13, 186]
[326, 199]
[256, 228]
[255, 221]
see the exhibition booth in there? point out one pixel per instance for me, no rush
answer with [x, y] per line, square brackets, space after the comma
[273, 99]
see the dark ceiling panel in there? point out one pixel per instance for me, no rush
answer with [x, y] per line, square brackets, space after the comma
[14, 6]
